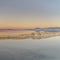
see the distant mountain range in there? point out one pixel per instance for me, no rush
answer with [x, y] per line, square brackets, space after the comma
[49, 29]
[13, 29]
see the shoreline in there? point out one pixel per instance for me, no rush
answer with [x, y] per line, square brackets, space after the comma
[34, 35]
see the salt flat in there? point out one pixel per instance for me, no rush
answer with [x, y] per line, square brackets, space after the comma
[29, 49]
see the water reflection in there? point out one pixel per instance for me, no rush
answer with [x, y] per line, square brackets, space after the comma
[15, 32]
[29, 49]
[23, 55]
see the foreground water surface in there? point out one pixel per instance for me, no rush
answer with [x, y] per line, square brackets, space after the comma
[29, 49]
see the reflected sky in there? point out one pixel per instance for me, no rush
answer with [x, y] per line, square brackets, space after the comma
[29, 49]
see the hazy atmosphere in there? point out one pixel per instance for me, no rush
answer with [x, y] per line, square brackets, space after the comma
[29, 29]
[29, 13]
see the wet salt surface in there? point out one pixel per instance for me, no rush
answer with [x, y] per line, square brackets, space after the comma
[29, 49]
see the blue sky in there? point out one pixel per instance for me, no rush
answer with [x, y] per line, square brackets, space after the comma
[30, 11]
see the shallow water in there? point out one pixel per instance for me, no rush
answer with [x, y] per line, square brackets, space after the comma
[29, 49]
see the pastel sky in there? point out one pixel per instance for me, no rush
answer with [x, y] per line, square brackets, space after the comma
[29, 13]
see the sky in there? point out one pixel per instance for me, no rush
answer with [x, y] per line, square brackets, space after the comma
[29, 13]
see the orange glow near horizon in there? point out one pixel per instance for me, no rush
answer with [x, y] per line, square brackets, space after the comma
[29, 25]
[17, 22]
